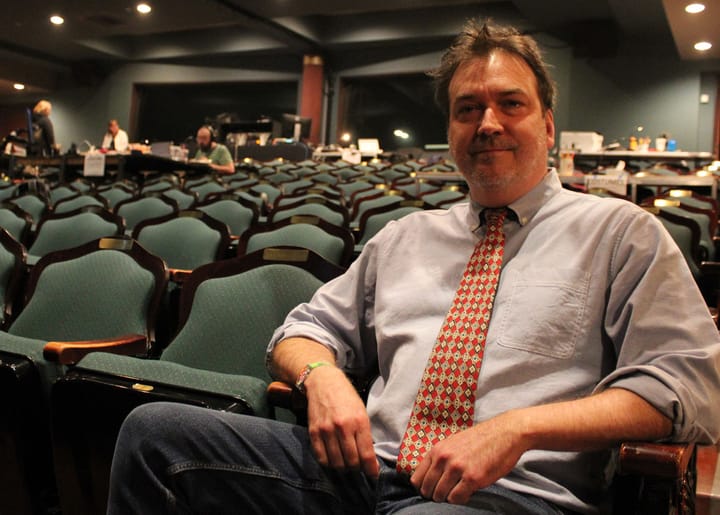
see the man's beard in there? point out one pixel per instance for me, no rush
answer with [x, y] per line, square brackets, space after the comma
[206, 148]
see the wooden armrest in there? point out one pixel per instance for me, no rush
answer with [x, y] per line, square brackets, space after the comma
[283, 395]
[69, 353]
[655, 459]
[178, 275]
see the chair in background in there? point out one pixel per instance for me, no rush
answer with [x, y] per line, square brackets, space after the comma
[361, 204]
[60, 192]
[185, 199]
[333, 243]
[12, 270]
[80, 200]
[151, 205]
[60, 231]
[237, 212]
[295, 186]
[444, 196]
[16, 221]
[313, 206]
[348, 188]
[109, 288]
[116, 193]
[185, 240]
[270, 192]
[33, 204]
[229, 310]
[203, 189]
[8, 191]
[159, 185]
[373, 220]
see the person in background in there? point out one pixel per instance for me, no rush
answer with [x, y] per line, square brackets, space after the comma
[218, 154]
[43, 131]
[115, 138]
[518, 339]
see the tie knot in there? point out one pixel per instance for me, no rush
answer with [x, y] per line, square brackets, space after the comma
[495, 217]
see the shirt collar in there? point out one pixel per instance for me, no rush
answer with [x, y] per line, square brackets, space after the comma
[524, 208]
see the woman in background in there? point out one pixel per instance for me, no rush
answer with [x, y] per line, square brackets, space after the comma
[43, 132]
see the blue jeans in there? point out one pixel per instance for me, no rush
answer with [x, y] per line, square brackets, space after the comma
[174, 458]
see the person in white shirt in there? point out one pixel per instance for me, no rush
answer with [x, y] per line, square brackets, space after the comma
[115, 138]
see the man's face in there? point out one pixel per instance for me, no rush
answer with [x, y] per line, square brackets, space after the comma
[113, 128]
[203, 139]
[498, 133]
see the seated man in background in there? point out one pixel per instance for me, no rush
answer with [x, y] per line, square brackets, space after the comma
[115, 138]
[519, 338]
[210, 150]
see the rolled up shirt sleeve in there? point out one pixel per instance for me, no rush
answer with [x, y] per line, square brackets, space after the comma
[668, 349]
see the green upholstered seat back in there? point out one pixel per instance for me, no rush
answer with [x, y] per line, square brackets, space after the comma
[437, 197]
[300, 235]
[61, 192]
[33, 205]
[318, 210]
[12, 223]
[66, 233]
[76, 203]
[383, 201]
[99, 295]
[271, 191]
[236, 216]
[683, 238]
[376, 222]
[115, 196]
[183, 242]
[703, 221]
[143, 209]
[183, 198]
[8, 262]
[203, 190]
[232, 319]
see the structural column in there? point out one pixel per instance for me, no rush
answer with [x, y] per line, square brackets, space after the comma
[311, 97]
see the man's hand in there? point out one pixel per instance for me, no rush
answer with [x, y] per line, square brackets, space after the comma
[475, 458]
[338, 423]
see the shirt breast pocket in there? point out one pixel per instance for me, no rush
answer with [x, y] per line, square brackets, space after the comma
[544, 311]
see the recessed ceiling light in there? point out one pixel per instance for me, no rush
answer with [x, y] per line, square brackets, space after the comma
[19, 86]
[694, 8]
[703, 46]
[57, 20]
[143, 8]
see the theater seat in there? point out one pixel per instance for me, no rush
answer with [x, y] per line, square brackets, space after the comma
[229, 310]
[107, 288]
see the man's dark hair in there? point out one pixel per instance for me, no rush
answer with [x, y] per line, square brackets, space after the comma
[478, 39]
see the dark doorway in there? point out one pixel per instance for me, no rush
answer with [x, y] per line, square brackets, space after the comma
[376, 107]
[173, 112]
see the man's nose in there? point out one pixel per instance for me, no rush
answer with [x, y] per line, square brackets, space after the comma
[489, 123]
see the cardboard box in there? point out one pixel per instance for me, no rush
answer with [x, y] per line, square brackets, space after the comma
[581, 141]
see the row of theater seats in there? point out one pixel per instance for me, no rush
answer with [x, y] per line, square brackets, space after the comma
[113, 306]
[66, 396]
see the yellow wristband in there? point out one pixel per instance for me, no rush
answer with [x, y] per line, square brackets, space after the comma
[305, 372]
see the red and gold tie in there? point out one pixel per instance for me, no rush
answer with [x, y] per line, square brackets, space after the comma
[445, 403]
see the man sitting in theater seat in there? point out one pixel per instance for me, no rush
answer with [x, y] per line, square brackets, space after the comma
[115, 138]
[216, 153]
[518, 337]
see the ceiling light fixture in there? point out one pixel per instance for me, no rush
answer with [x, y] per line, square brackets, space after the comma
[56, 19]
[18, 86]
[703, 46]
[143, 8]
[694, 8]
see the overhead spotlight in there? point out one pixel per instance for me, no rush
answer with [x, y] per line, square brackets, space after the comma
[346, 137]
[694, 8]
[703, 46]
[401, 134]
[18, 86]
[143, 8]
[56, 19]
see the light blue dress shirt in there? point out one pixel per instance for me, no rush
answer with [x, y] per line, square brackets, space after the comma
[593, 294]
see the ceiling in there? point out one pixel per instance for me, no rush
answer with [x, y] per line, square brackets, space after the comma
[274, 34]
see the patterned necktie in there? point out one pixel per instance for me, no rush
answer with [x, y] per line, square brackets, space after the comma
[445, 403]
